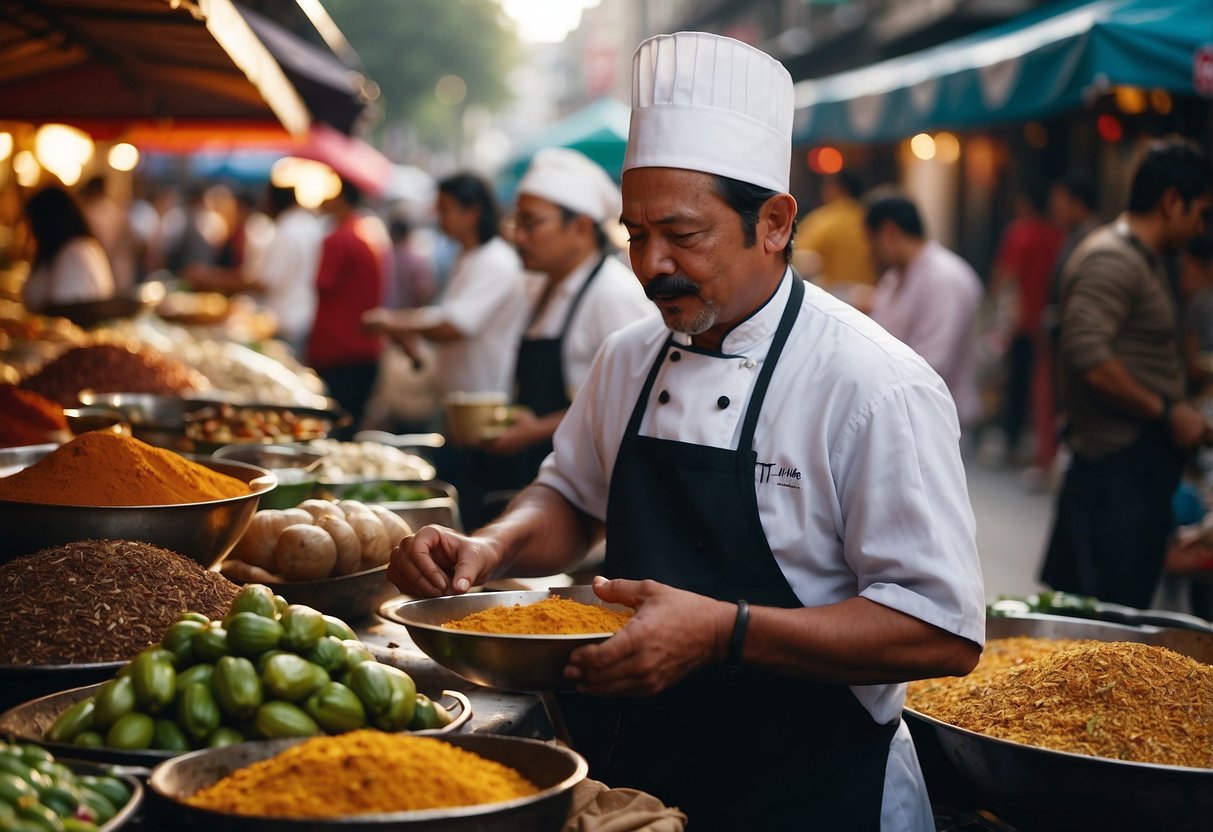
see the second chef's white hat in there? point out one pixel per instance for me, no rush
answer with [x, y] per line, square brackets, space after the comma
[712, 104]
[570, 179]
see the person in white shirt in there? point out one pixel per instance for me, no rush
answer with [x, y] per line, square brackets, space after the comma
[474, 327]
[69, 264]
[927, 298]
[564, 202]
[477, 321]
[286, 280]
[781, 487]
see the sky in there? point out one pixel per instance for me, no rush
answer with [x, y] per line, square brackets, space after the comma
[546, 21]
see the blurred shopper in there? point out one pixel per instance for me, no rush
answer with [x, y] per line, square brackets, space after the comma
[564, 202]
[287, 278]
[349, 283]
[1122, 385]
[111, 225]
[193, 232]
[475, 327]
[1023, 278]
[927, 298]
[412, 282]
[1196, 295]
[476, 324]
[1072, 209]
[69, 264]
[831, 247]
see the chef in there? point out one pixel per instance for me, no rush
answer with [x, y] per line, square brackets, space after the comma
[780, 485]
[565, 201]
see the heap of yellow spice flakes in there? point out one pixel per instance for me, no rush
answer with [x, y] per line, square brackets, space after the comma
[1119, 700]
[363, 772]
[551, 616]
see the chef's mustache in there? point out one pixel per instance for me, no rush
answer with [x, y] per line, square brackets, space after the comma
[671, 286]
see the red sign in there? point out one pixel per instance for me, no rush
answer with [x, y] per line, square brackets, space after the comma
[1202, 70]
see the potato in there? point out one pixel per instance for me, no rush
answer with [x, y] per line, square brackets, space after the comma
[319, 508]
[371, 533]
[305, 553]
[246, 573]
[397, 529]
[256, 546]
[349, 548]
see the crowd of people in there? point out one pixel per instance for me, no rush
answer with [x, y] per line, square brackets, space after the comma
[822, 554]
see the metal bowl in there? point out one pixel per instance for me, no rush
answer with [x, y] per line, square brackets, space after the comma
[1042, 789]
[506, 662]
[93, 417]
[128, 810]
[28, 721]
[348, 597]
[205, 531]
[21, 682]
[293, 465]
[555, 770]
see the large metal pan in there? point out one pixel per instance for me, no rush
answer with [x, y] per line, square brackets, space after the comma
[555, 770]
[1043, 790]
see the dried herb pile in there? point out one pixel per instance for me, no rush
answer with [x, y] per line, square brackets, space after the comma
[1120, 700]
[100, 601]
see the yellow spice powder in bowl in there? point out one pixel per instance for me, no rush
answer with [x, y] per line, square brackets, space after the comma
[551, 616]
[363, 772]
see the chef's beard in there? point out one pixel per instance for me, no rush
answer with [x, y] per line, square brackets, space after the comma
[670, 286]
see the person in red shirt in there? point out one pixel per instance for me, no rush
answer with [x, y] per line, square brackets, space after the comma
[349, 282]
[1023, 269]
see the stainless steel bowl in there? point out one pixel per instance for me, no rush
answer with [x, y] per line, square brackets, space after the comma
[205, 531]
[349, 597]
[555, 770]
[506, 662]
[295, 466]
[1042, 789]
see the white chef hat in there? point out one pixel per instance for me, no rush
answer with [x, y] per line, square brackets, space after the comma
[568, 178]
[712, 104]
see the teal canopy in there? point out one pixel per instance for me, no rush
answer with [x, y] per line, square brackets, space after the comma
[1045, 62]
[599, 130]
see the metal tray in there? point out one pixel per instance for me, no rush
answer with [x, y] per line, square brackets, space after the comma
[1056, 791]
[554, 769]
[22, 682]
[28, 722]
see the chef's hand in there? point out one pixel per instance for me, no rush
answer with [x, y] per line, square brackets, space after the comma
[672, 633]
[440, 561]
[376, 320]
[517, 437]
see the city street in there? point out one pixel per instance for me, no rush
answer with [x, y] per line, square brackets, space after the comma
[1012, 525]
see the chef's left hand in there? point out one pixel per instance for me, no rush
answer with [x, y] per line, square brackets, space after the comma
[672, 633]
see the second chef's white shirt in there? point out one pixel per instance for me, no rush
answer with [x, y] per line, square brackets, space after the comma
[613, 300]
[860, 485]
[487, 300]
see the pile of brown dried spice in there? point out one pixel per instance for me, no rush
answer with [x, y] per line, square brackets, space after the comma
[100, 601]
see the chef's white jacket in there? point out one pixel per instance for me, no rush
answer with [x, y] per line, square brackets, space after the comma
[486, 299]
[613, 300]
[861, 489]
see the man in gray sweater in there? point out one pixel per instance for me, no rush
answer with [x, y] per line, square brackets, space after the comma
[1122, 385]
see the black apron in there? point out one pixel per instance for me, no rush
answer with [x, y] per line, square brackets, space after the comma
[734, 748]
[539, 381]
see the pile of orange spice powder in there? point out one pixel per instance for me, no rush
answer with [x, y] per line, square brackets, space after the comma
[551, 616]
[106, 469]
[363, 772]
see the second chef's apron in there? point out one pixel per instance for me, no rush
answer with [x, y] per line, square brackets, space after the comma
[733, 747]
[540, 383]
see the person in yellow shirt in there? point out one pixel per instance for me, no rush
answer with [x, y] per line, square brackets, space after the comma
[831, 245]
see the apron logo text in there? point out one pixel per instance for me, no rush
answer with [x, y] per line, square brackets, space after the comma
[783, 476]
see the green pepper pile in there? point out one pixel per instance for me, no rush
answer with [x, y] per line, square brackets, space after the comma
[384, 492]
[266, 670]
[37, 793]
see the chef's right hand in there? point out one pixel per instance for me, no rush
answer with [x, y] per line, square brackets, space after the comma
[440, 561]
